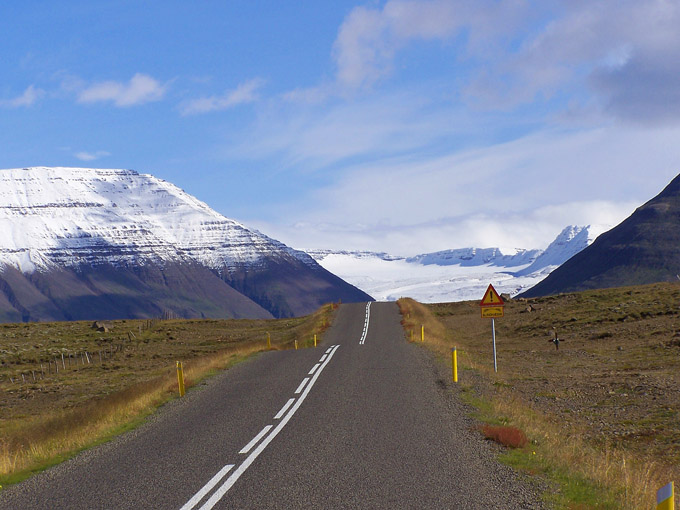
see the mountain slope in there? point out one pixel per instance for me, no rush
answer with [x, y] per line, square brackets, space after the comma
[92, 243]
[642, 249]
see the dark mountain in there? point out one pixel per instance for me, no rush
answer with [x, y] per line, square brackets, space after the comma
[105, 291]
[642, 249]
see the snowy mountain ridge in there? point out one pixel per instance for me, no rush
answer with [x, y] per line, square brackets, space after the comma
[68, 216]
[457, 274]
[477, 257]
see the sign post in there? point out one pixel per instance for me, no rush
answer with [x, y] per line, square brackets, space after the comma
[493, 336]
[492, 306]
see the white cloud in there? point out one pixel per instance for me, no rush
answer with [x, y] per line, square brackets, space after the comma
[139, 90]
[310, 95]
[312, 136]
[516, 229]
[369, 38]
[244, 93]
[30, 96]
[91, 156]
[516, 194]
[624, 55]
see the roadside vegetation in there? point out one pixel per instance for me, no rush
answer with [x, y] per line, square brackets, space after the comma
[109, 380]
[601, 414]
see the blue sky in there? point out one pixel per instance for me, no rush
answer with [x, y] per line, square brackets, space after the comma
[400, 126]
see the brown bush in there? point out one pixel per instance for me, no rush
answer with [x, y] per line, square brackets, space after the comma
[511, 437]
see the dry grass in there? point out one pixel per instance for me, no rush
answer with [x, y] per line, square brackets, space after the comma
[416, 317]
[36, 436]
[603, 408]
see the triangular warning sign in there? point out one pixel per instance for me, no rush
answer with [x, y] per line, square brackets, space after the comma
[491, 298]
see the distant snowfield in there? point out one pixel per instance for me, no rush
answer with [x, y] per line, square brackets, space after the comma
[388, 280]
[455, 275]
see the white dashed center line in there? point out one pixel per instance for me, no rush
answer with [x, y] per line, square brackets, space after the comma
[264, 437]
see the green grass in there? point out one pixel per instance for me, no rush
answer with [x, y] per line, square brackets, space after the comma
[568, 491]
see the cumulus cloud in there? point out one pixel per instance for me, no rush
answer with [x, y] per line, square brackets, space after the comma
[91, 156]
[369, 38]
[623, 54]
[627, 52]
[30, 96]
[139, 90]
[244, 93]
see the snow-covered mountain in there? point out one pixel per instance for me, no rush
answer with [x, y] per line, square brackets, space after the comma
[468, 257]
[82, 220]
[568, 243]
[455, 275]
[69, 216]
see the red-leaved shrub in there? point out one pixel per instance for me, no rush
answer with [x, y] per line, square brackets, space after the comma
[507, 436]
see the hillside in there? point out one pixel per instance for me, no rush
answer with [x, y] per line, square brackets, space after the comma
[642, 249]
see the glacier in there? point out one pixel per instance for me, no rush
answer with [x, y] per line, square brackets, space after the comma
[460, 274]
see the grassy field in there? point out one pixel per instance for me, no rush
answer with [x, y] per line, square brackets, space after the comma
[65, 386]
[602, 412]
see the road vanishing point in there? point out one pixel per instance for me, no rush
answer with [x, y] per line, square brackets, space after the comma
[365, 420]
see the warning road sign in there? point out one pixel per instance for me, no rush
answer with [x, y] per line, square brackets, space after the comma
[491, 298]
[492, 306]
[492, 311]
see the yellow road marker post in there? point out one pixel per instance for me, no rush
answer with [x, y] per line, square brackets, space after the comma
[665, 497]
[180, 378]
[314, 340]
[269, 341]
[454, 363]
[411, 335]
[422, 333]
[296, 345]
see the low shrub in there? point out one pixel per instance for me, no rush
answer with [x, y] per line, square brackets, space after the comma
[511, 437]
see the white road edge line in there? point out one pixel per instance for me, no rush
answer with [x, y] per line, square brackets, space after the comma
[207, 487]
[311, 372]
[302, 385]
[219, 493]
[256, 439]
[323, 358]
[284, 409]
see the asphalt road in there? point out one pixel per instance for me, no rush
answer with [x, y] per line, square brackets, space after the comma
[365, 420]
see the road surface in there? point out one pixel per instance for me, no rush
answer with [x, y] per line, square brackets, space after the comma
[365, 420]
